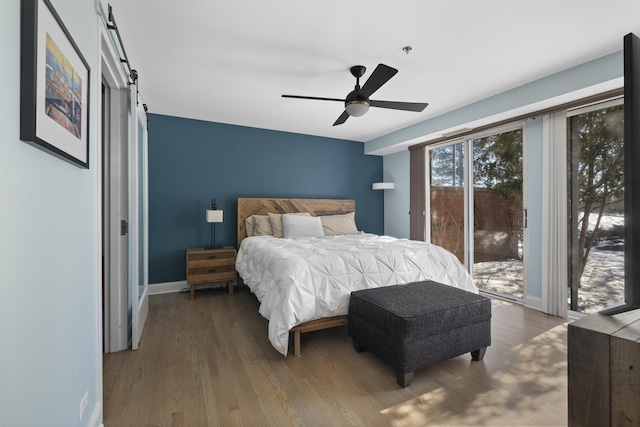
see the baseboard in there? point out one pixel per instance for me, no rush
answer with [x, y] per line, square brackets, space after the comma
[167, 287]
[96, 416]
[533, 302]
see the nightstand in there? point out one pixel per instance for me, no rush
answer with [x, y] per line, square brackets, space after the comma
[211, 266]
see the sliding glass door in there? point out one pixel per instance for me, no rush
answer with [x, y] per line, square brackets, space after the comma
[596, 206]
[476, 207]
[498, 215]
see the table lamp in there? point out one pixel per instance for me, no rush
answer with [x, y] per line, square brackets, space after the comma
[213, 215]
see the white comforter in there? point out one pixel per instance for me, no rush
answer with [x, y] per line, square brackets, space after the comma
[305, 279]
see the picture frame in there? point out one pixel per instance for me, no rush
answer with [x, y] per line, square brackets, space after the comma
[54, 86]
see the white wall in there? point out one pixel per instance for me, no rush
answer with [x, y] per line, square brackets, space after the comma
[587, 79]
[50, 353]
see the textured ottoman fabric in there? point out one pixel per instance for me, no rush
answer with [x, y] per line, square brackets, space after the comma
[410, 326]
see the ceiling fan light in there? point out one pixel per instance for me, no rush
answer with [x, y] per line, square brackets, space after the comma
[357, 108]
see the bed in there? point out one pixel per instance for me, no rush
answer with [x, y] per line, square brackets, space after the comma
[304, 284]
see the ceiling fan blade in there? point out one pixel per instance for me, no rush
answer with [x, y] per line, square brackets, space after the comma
[380, 76]
[406, 106]
[312, 97]
[343, 118]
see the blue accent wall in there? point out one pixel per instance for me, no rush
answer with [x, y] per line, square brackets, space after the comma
[191, 161]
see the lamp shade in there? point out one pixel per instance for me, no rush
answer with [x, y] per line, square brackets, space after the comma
[214, 215]
[383, 186]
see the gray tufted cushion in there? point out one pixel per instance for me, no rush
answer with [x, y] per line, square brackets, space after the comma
[410, 326]
[419, 309]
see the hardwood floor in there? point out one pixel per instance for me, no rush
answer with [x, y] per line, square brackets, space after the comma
[208, 362]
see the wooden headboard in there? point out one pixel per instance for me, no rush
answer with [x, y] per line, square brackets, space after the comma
[316, 207]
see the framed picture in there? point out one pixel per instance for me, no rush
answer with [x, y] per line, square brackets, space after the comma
[54, 86]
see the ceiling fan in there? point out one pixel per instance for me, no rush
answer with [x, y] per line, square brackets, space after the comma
[357, 102]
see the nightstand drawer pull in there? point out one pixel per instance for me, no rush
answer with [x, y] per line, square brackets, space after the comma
[213, 270]
[212, 256]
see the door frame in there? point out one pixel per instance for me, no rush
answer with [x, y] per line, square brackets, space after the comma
[114, 203]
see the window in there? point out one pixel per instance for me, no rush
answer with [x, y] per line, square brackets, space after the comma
[447, 207]
[596, 206]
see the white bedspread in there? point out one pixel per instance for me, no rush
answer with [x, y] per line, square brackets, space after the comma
[305, 279]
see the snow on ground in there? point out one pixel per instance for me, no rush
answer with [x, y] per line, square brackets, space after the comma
[601, 284]
[504, 277]
[606, 222]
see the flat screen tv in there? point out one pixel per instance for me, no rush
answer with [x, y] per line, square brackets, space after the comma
[631, 177]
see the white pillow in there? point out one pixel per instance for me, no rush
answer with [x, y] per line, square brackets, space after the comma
[335, 225]
[276, 222]
[300, 227]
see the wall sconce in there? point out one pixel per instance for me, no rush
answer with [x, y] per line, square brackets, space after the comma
[213, 215]
[383, 186]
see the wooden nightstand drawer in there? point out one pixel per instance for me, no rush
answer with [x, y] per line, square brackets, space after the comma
[211, 266]
[211, 274]
[205, 258]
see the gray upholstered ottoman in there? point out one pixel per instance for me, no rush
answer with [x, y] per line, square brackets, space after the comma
[410, 326]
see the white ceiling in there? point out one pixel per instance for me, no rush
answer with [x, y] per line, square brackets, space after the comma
[230, 61]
